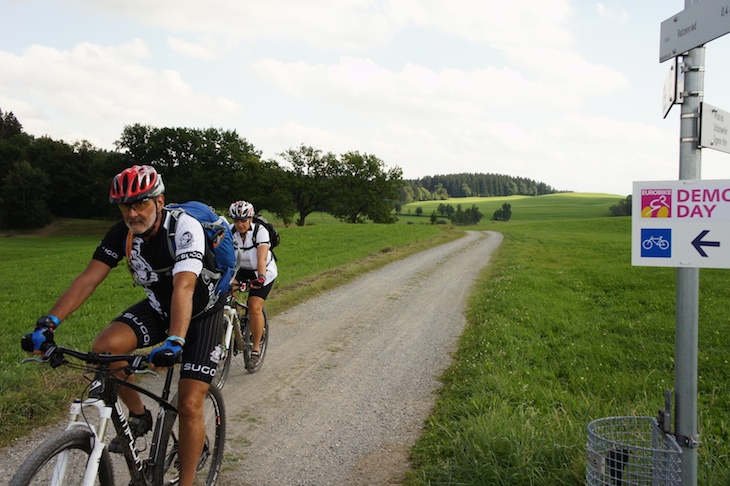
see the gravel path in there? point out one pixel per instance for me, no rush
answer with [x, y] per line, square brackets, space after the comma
[349, 376]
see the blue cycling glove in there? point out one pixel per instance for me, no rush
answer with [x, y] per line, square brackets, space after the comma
[42, 337]
[166, 355]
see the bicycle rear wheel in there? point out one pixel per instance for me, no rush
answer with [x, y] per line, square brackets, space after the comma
[68, 455]
[246, 327]
[167, 471]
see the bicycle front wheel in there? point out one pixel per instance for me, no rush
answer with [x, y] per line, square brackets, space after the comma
[63, 460]
[167, 468]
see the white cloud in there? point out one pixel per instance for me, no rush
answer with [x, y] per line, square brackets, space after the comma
[513, 23]
[98, 90]
[612, 13]
[193, 50]
[346, 24]
[418, 91]
[355, 24]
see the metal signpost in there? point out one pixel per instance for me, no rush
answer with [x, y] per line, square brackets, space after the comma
[691, 233]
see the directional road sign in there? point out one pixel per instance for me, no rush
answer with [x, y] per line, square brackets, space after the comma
[681, 224]
[694, 26]
[673, 86]
[715, 128]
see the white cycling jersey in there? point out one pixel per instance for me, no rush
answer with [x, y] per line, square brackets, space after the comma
[246, 251]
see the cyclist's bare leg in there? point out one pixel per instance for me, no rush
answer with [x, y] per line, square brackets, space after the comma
[119, 338]
[192, 427]
[256, 318]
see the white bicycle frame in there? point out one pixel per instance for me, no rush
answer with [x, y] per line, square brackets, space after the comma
[98, 433]
[228, 313]
[92, 467]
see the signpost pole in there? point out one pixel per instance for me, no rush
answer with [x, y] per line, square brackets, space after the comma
[688, 279]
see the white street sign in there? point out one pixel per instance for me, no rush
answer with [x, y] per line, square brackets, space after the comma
[681, 224]
[694, 26]
[673, 85]
[715, 128]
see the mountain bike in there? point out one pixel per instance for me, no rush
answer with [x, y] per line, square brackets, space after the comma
[237, 336]
[79, 455]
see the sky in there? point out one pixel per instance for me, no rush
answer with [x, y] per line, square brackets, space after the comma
[564, 92]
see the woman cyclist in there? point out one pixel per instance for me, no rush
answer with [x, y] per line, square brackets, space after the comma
[255, 264]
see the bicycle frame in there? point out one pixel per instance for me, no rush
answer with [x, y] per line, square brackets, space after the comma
[232, 331]
[236, 335]
[103, 396]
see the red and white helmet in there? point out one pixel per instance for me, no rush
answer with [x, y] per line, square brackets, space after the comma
[135, 183]
[241, 210]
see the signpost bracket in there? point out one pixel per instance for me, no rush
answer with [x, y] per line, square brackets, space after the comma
[665, 414]
[686, 68]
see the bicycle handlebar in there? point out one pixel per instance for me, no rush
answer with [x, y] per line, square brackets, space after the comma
[241, 286]
[54, 355]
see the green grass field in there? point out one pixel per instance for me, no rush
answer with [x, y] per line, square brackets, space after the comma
[524, 208]
[561, 330]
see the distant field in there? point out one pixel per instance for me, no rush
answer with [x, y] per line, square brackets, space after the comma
[524, 208]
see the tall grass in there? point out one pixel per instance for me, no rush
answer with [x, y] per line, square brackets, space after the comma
[561, 331]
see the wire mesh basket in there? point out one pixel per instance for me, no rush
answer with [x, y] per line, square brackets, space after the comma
[625, 451]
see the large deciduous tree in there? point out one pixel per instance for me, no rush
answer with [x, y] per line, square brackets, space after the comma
[23, 194]
[312, 184]
[196, 164]
[365, 189]
[9, 125]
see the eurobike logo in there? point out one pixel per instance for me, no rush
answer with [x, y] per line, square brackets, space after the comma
[656, 203]
[656, 242]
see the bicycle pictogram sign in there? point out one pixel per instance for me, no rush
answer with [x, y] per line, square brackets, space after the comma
[656, 242]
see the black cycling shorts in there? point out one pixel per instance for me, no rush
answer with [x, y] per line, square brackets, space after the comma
[202, 343]
[244, 275]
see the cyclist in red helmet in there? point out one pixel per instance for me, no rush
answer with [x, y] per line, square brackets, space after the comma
[176, 311]
[135, 187]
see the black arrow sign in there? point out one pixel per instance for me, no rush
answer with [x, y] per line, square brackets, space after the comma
[698, 243]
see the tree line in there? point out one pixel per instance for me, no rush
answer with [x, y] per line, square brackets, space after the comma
[41, 178]
[441, 187]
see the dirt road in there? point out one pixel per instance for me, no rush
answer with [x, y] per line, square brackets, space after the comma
[349, 376]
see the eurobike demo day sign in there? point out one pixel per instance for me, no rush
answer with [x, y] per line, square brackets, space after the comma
[681, 224]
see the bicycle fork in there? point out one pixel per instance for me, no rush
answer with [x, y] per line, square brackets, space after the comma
[98, 445]
[233, 330]
[106, 414]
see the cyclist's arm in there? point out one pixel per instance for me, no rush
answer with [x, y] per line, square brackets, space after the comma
[181, 309]
[262, 256]
[81, 288]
